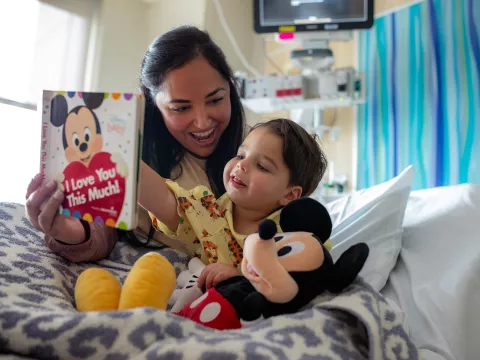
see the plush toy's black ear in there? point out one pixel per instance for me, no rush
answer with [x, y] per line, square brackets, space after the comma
[93, 100]
[58, 110]
[306, 214]
[347, 267]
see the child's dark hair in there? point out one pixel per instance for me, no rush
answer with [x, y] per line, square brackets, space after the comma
[301, 152]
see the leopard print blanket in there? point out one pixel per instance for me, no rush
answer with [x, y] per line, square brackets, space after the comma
[38, 318]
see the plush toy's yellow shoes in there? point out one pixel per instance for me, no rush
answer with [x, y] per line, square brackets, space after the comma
[150, 283]
[97, 290]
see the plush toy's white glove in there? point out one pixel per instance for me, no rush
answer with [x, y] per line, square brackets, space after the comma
[188, 281]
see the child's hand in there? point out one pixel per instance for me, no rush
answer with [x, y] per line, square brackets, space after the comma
[215, 273]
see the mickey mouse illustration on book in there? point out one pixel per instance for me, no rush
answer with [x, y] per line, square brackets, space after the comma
[94, 180]
[81, 132]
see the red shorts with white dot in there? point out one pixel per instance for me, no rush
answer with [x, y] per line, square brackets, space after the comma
[212, 310]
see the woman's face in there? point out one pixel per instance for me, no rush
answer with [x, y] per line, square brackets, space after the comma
[195, 103]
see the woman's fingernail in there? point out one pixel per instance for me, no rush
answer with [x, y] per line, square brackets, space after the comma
[51, 184]
[58, 195]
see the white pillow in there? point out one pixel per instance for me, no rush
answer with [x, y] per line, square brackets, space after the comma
[437, 277]
[373, 216]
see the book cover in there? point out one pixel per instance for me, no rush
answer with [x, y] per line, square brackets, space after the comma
[91, 146]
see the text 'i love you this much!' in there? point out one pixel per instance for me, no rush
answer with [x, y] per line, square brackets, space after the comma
[91, 146]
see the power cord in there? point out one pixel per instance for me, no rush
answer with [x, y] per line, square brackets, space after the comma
[230, 36]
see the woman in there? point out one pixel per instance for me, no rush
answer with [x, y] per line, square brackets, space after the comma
[194, 124]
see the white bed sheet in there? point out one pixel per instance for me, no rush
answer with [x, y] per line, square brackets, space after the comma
[436, 281]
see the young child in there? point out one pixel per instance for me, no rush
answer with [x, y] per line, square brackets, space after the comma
[278, 162]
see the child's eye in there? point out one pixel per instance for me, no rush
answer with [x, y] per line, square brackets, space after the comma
[262, 168]
[180, 109]
[240, 157]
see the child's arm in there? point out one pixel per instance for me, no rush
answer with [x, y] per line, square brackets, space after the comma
[155, 197]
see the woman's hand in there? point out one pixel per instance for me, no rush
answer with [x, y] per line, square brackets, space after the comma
[215, 273]
[43, 201]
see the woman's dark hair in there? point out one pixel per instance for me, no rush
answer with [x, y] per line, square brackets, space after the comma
[301, 152]
[161, 151]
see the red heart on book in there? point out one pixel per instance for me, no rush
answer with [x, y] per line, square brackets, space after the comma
[94, 193]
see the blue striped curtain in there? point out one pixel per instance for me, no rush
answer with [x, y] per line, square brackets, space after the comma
[422, 67]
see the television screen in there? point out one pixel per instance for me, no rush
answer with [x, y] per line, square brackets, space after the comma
[312, 15]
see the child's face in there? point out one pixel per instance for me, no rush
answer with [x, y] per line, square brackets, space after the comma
[258, 178]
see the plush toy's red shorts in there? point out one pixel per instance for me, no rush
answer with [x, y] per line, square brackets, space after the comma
[212, 310]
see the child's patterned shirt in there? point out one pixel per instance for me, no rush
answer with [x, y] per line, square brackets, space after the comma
[206, 225]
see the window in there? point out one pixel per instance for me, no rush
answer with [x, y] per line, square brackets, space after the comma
[44, 45]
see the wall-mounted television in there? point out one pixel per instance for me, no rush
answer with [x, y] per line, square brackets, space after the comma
[274, 16]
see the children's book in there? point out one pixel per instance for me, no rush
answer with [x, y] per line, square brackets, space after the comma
[91, 146]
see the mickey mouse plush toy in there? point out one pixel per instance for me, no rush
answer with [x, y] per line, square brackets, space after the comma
[281, 273]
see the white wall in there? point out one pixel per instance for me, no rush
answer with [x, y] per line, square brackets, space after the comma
[164, 15]
[383, 6]
[121, 42]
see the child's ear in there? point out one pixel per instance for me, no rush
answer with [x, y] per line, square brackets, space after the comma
[293, 193]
